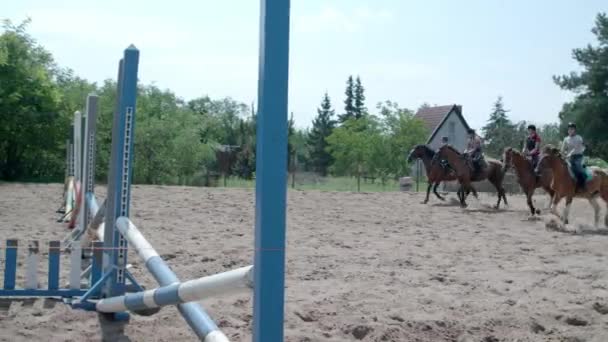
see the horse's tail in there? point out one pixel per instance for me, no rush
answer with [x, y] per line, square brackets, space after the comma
[604, 186]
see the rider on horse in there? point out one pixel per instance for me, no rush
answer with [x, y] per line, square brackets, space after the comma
[444, 163]
[473, 152]
[573, 148]
[532, 145]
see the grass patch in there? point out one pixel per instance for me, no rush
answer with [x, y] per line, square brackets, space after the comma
[314, 182]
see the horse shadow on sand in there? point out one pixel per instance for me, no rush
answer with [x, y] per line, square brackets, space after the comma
[475, 207]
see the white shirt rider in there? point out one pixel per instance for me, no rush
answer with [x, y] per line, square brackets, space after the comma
[573, 145]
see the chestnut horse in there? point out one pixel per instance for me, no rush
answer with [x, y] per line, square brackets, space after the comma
[435, 173]
[492, 172]
[526, 177]
[564, 185]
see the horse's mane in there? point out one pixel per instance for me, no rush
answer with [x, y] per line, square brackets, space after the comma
[429, 152]
[514, 151]
[550, 149]
[517, 152]
[452, 148]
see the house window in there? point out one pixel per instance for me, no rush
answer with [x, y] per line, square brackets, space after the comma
[452, 132]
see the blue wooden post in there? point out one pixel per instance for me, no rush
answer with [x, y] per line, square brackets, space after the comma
[10, 264]
[271, 172]
[54, 260]
[121, 172]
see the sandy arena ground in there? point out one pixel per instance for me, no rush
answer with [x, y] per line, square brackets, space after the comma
[368, 267]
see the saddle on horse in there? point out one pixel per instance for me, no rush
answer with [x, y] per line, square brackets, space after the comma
[533, 160]
[477, 164]
[581, 174]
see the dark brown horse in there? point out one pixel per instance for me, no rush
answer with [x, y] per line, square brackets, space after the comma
[564, 185]
[435, 172]
[492, 172]
[526, 177]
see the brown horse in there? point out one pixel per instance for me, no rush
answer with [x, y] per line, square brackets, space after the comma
[526, 177]
[564, 185]
[493, 173]
[435, 173]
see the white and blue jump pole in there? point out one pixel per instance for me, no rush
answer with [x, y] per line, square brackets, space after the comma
[233, 281]
[117, 205]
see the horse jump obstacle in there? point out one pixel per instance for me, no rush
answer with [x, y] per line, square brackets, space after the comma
[109, 280]
[80, 157]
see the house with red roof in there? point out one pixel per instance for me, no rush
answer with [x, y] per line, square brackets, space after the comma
[444, 121]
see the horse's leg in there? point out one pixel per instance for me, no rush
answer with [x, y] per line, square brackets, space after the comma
[529, 201]
[474, 192]
[551, 194]
[471, 189]
[596, 210]
[499, 192]
[567, 210]
[554, 203]
[428, 190]
[463, 203]
[436, 193]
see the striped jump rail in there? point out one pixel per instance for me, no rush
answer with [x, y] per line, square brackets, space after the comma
[31, 286]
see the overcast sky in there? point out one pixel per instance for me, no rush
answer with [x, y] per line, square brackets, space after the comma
[437, 51]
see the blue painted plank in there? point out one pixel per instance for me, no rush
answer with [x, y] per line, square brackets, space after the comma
[54, 256]
[10, 264]
[66, 293]
[271, 172]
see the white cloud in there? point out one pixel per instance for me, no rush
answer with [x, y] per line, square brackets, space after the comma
[344, 21]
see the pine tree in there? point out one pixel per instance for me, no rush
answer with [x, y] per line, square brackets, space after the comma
[322, 127]
[589, 108]
[359, 99]
[290, 146]
[349, 102]
[499, 132]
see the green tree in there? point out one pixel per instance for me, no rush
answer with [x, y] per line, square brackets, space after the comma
[359, 99]
[401, 131]
[352, 145]
[551, 134]
[32, 129]
[291, 130]
[349, 101]
[322, 127]
[245, 160]
[499, 132]
[301, 151]
[590, 106]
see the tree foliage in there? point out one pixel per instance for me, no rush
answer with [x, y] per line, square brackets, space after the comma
[31, 124]
[590, 106]
[376, 145]
[322, 127]
[499, 131]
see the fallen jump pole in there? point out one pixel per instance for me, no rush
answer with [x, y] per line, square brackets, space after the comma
[233, 281]
[195, 316]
